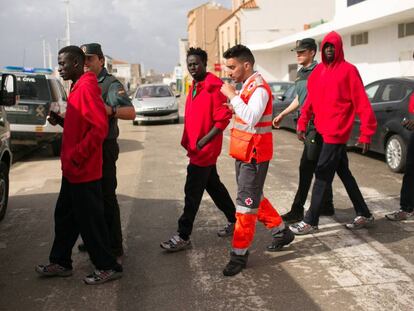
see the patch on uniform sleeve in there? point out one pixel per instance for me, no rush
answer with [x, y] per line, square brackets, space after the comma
[251, 86]
[248, 201]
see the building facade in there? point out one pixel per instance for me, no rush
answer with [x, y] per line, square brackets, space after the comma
[256, 21]
[129, 75]
[202, 29]
[378, 38]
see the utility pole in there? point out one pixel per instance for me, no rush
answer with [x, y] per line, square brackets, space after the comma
[44, 53]
[50, 55]
[67, 22]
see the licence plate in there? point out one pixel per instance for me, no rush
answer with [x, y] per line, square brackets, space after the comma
[17, 108]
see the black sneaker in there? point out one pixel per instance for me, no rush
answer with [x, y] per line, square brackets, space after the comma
[53, 269]
[227, 230]
[285, 237]
[236, 264]
[102, 276]
[292, 217]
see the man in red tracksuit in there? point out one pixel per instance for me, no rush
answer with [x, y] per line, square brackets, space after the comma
[79, 208]
[206, 116]
[335, 94]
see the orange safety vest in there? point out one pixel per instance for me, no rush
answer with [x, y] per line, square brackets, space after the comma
[248, 142]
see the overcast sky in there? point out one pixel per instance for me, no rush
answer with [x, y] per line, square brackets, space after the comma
[137, 31]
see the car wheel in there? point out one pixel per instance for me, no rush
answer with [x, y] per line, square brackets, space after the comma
[395, 153]
[56, 146]
[4, 188]
[134, 122]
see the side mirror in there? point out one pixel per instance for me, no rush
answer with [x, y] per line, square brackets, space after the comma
[8, 90]
[281, 97]
[178, 95]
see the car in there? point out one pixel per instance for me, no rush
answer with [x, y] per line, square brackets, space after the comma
[279, 88]
[280, 102]
[40, 92]
[8, 92]
[389, 99]
[154, 103]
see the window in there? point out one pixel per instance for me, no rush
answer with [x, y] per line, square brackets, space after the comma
[33, 87]
[292, 69]
[359, 38]
[222, 41]
[406, 29]
[228, 37]
[290, 91]
[393, 92]
[352, 2]
[236, 34]
[371, 90]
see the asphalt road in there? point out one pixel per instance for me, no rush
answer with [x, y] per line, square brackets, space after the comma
[334, 269]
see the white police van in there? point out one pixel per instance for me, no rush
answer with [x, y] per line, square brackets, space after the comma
[40, 92]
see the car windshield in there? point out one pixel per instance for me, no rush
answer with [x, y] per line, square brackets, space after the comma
[154, 91]
[33, 87]
[279, 88]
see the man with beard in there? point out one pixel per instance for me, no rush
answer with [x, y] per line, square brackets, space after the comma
[251, 145]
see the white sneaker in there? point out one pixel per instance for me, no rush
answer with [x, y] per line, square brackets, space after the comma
[302, 228]
[360, 222]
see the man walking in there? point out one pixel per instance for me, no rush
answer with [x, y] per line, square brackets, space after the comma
[205, 120]
[406, 210]
[251, 144]
[118, 106]
[79, 208]
[335, 94]
[305, 52]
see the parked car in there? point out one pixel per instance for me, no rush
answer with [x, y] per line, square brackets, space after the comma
[279, 88]
[7, 98]
[280, 103]
[389, 99]
[40, 92]
[155, 102]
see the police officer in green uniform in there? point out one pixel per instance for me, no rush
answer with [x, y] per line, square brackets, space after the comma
[305, 52]
[118, 106]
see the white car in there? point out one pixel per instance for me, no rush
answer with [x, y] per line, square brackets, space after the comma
[154, 103]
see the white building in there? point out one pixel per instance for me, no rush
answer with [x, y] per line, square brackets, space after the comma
[378, 37]
[260, 21]
[129, 74]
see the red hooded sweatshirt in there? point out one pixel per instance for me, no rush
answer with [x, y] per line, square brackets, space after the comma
[411, 104]
[202, 112]
[86, 126]
[335, 94]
